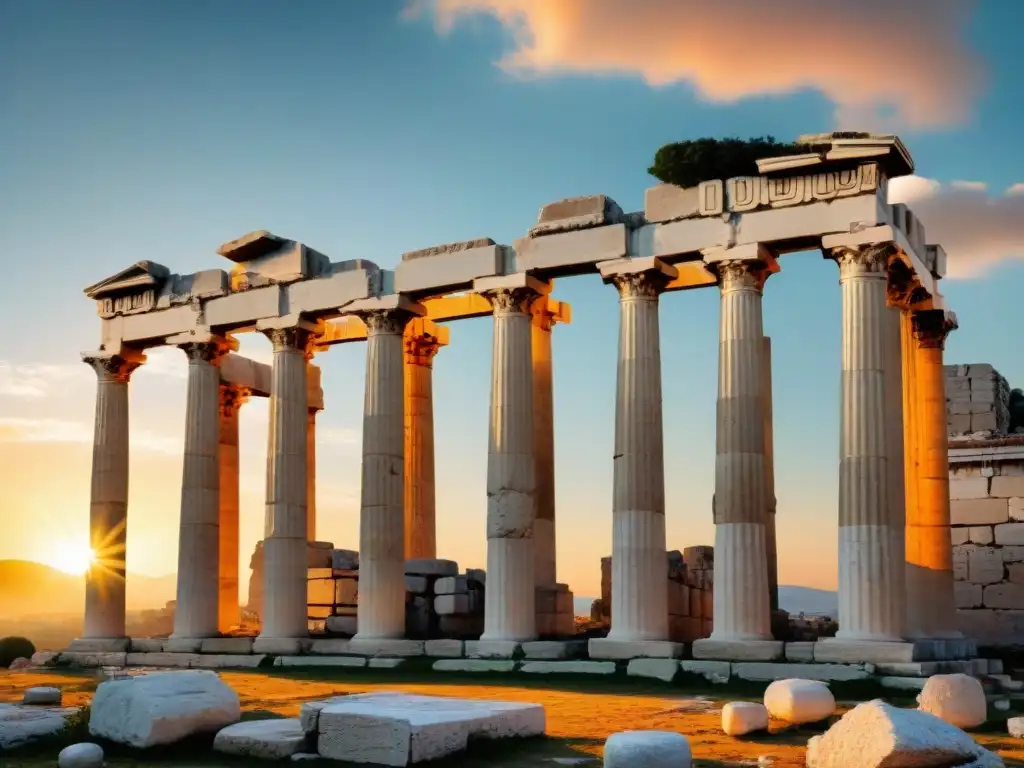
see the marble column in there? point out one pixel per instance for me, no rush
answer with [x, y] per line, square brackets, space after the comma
[870, 558]
[196, 611]
[742, 609]
[543, 446]
[896, 489]
[108, 507]
[420, 524]
[509, 611]
[311, 474]
[770, 539]
[228, 612]
[639, 560]
[381, 518]
[285, 542]
[929, 554]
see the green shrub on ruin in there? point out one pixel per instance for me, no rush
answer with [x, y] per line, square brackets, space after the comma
[12, 648]
[687, 163]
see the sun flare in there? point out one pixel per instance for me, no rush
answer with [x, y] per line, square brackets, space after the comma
[71, 557]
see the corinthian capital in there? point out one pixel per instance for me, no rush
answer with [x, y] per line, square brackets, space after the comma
[741, 274]
[511, 301]
[640, 285]
[206, 351]
[232, 398]
[114, 368]
[932, 326]
[863, 261]
[290, 338]
[385, 320]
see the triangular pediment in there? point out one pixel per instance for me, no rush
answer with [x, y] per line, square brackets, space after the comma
[137, 277]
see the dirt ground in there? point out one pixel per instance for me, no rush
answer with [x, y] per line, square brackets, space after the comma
[580, 716]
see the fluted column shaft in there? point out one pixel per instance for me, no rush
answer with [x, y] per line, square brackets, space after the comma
[108, 507]
[770, 539]
[544, 450]
[869, 542]
[896, 490]
[311, 474]
[929, 554]
[196, 611]
[509, 610]
[381, 515]
[285, 544]
[231, 400]
[420, 500]
[639, 563]
[741, 596]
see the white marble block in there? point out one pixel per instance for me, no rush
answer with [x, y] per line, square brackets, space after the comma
[742, 717]
[958, 699]
[262, 739]
[647, 749]
[799, 701]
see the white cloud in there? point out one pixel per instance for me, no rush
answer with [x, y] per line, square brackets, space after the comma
[871, 58]
[38, 380]
[977, 229]
[47, 430]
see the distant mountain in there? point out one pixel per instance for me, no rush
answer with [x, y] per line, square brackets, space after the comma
[813, 602]
[29, 589]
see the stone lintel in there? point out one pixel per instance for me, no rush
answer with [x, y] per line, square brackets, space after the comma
[284, 322]
[394, 302]
[202, 336]
[862, 651]
[739, 650]
[607, 648]
[252, 245]
[632, 266]
[517, 280]
[752, 252]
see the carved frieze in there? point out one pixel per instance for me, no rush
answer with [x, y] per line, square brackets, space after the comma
[128, 304]
[749, 193]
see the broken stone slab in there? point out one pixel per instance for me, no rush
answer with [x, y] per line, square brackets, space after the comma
[743, 717]
[957, 699]
[474, 665]
[228, 661]
[657, 669]
[147, 645]
[444, 649]
[759, 671]
[717, 672]
[41, 696]
[799, 701]
[554, 650]
[605, 648]
[320, 661]
[176, 660]
[400, 729]
[23, 725]
[431, 567]
[262, 739]
[875, 733]
[162, 708]
[577, 213]
[568, 667]
[647, 749]
[491, 649]
[90, 660]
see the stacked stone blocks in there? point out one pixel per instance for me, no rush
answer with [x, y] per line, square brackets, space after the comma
[977, 400]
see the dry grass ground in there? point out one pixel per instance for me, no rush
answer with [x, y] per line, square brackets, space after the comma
[581, 713]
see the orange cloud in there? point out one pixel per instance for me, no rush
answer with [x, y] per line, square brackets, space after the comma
[977, 229]
[872, 58]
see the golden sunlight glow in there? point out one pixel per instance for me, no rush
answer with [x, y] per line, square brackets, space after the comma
[74, 557]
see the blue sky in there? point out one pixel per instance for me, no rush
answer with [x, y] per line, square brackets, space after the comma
[160, 130]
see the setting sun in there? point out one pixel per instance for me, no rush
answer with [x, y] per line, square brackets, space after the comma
[71, 557]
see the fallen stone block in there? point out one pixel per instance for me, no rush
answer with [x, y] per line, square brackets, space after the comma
[657, 669]
[647, 749]
[742, 717]
[568, 667]
[146, 645]
[957, 699]
[576, 213]
[90, 660]
[799, 701]
[753, 670]
[344, 560]
[41, 696]
[874, 734]
[444, 649]
[712, 671]
[343, 625]
[451, 585]
[446, 605]
[431, 567]
[400, 729]
[320, 661]
[84, 755]
[262, 739]
[474, 665]
[23, 725]
[417, 585]
[162, 708]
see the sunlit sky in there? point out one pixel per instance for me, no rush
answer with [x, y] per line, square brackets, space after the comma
[365, 129]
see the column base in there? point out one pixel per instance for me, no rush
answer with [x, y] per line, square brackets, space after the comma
[738, 650]
[281, 646]
[610, 648]
[99, 645]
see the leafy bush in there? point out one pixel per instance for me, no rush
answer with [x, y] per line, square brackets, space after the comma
[12, 648]
[687, 163]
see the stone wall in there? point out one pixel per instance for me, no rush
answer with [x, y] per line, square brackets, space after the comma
[690, 593]
[977, 400]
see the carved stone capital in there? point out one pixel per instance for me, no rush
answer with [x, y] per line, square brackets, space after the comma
[931, 327]
[640, 285]
[232, 398]
[511, 301]
[290, 338]
[420, 350]
[741, 274]
[112, 368]
[206, 351]
[863, 261]
[380, 321]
